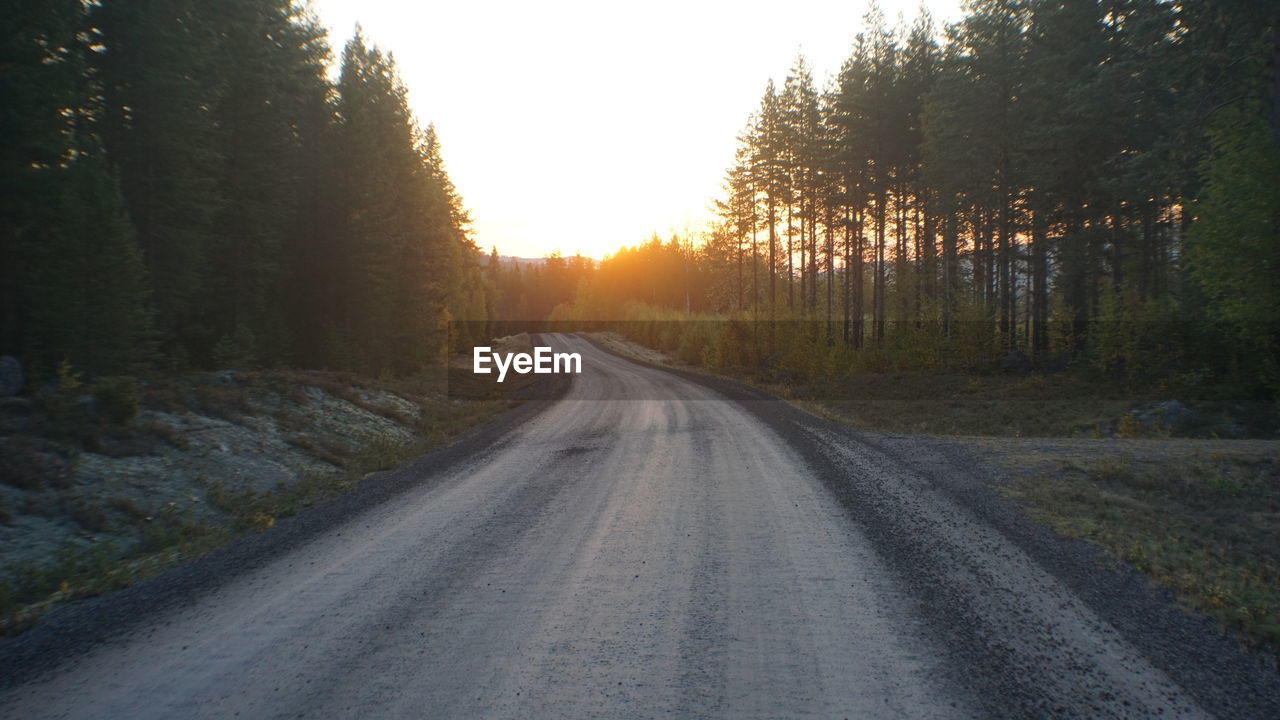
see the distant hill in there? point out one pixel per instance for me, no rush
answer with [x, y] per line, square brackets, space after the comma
[508, 259]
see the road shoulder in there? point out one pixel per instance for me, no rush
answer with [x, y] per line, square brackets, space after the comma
[1190, 648]
[74, 629]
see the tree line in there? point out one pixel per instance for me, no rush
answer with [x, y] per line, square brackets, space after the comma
[527, 292]
[183, 186]
[1041, 180]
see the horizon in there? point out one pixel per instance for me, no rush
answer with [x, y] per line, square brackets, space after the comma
[678, 111]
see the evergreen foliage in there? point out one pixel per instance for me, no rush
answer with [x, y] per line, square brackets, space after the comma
[184, 186]
[1039, 183]
[1042, 181]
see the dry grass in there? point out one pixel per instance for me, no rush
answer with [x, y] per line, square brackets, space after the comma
[847, 387]
[30, 463]
[1054, 405]
[1203, 521]
[332, 456]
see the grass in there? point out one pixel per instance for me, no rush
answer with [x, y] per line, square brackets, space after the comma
[80, 572]
[898, 387]
[995, 404]
[1052, 405]
[1204, 525]
[945, 403]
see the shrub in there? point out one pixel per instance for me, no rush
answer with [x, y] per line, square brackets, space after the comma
[62, 401]
[116, 399]
[128, 507]
[1128, 427]
[89, 516]
[31, 464]
[168, 433]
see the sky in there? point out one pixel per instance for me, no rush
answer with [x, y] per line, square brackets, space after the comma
[587, 126]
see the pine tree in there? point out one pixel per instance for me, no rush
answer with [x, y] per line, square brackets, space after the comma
[768, 165]
[90, 300]
[157, 70]
[73, 287]
[404, 236]
[271, 83]
[39, 77]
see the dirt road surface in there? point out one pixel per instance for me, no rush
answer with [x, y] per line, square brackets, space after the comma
[654, 545]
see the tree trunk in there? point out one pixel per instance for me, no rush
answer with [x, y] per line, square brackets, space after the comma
[831, 278]
[950, 272]
[878, 294]
[859, 254]
[1039, 290]
[791, 286]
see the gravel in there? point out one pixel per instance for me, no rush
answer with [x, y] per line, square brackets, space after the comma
[653, 544]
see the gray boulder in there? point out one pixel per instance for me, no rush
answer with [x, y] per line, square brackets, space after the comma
[1169, 415]
[11, 379]
[226, 378]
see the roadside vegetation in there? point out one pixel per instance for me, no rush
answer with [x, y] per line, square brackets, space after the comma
[918, 383]
[1199, 518]
[107, 484]
[222, 298]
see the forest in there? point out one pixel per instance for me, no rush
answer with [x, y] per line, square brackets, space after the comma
[184, 187]
[1040, 185]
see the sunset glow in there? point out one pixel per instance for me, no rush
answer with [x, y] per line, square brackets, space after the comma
[579, 126]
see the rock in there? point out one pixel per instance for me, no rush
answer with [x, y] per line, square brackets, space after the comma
[1167, 416]
[225, 378]
[15, 414]
[11, 379]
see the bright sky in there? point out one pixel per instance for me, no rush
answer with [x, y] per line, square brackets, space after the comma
[585, 126]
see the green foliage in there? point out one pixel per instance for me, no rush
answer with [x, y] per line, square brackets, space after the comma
[92, 304]
[184, 177]
[235, 350]
[1234, 245]
[73, 286]
[1129, 336]
[979, 204]
[1179, 521]
[157, 78]
[116, 399]
[402, 252]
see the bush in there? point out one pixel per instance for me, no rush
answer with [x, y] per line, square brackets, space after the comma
[116, 399]
[31, 464]
[60, 404]
[87, 515]
[128, 507]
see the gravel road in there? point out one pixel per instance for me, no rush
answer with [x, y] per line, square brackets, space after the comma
[658, 545]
